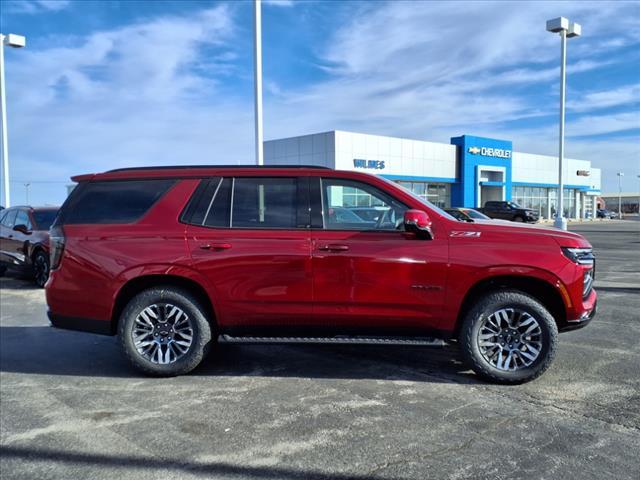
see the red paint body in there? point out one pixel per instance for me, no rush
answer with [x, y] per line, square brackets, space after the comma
[308, 278]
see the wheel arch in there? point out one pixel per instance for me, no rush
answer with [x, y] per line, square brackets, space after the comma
[548, 294]
[138, 284]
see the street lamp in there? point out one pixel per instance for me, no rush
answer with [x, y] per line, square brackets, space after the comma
[566, 30]
[620, 175]
[15, 41]
[257, 75]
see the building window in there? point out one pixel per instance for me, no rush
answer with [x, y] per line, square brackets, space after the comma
[437, 193]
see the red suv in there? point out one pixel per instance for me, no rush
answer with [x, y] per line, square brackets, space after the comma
[169, 258]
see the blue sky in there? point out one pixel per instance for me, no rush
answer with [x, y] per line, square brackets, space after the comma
[110, 84]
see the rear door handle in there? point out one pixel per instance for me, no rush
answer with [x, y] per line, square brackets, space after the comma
[215, 246]
[332, 247]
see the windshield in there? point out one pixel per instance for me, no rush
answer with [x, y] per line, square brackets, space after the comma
[44, 218]
[422, 200]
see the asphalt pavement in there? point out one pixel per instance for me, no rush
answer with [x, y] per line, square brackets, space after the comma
[71, 407]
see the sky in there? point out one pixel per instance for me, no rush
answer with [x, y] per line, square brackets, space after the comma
[108, 84]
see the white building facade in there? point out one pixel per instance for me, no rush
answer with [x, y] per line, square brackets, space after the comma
[464, 173]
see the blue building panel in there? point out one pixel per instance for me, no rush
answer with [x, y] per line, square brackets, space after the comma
[479, 151]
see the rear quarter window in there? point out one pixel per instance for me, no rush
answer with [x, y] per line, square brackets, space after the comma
[123, 201]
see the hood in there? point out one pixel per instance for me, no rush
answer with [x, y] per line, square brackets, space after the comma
[564, 239]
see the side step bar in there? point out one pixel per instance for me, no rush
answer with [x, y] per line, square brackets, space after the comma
[340, 340]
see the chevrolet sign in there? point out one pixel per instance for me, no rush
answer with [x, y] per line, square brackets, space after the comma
[490, 152]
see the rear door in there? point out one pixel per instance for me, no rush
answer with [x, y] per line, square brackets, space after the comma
[18, 241]
[372, 276]
[250, 236]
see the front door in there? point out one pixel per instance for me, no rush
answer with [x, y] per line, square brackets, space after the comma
[250, 236]
[371, 275]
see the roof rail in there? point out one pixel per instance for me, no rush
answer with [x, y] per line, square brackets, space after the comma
[185, 167]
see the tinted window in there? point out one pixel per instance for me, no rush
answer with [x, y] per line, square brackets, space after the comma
[218, 208]
[44, 218]
[264, 203]
[8, 220]
[342, 198]
[22, 218]
[114, 202]
[3, 213]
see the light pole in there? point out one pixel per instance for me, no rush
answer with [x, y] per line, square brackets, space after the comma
[26, 188]
[620, 175]
[257, 72]
[15, 41]
[566, 30]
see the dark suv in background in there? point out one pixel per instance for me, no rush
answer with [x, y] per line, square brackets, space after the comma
[24, 240]
[509, 211]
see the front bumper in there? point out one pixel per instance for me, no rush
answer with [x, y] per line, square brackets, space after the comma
[581, 322]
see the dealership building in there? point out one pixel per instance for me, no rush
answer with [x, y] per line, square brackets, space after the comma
[467, 172]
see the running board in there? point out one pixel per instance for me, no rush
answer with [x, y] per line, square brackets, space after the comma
[418, 341]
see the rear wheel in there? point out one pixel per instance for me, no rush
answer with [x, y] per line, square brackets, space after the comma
[40, 268]
[164, 331]
[508, 337]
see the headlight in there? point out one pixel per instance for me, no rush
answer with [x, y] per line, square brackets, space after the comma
[583, 256]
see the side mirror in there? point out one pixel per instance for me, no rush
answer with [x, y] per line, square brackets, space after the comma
[418, 222]
[22, 229]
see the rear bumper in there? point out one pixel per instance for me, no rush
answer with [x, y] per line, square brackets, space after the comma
[89, 325]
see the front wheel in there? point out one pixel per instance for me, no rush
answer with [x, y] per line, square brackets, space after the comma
[518, 219]
[164, 331]
[508, 337]
[40, 268]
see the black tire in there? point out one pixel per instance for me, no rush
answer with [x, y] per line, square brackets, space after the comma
[485, 307]
[518, 219]
[40, 268]
[200, 325]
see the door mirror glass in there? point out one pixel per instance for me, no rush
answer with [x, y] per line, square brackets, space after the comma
[22, 229]
[418, 222]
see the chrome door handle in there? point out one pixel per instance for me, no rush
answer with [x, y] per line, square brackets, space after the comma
[215, 246]
[334, 248]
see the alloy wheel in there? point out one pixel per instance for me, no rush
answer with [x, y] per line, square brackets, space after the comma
[510, 339]
[162, 333]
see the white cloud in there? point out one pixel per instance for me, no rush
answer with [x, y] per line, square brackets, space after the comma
[278, 3]
[626, 95]
[131, 96]
[37, 6]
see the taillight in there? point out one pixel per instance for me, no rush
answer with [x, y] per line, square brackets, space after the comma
[56, 246]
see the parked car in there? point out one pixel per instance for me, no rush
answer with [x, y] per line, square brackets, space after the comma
[24, 240]
[466, 214]
[509, 211]
[168, 258]
[604, 213]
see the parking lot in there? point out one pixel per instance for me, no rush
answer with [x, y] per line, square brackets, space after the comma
[71, 407]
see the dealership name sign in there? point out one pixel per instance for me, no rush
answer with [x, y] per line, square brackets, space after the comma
[490, 152]
[372, 164]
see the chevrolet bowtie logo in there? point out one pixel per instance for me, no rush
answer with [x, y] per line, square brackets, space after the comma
[474, 150]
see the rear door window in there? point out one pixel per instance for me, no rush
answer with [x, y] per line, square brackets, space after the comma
[112, 202]
[250, 202]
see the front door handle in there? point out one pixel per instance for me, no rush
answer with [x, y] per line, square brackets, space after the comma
[332, 247]
[215, 246]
